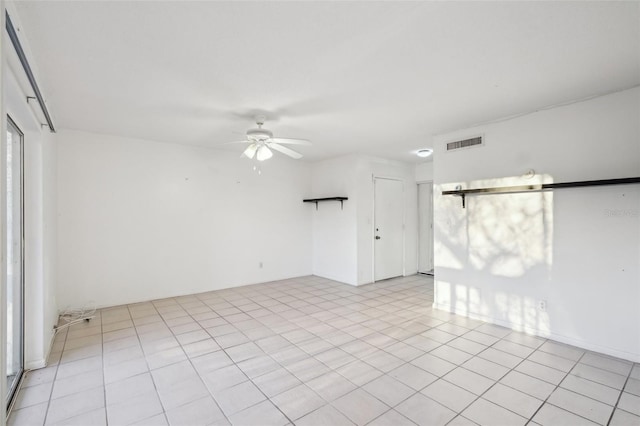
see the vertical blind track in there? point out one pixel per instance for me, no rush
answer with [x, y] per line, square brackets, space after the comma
[27, 69]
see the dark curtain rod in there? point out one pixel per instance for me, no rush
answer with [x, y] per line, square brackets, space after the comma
[27, 69]
[538, 187]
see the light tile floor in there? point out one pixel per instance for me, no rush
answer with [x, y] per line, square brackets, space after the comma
[310, 351]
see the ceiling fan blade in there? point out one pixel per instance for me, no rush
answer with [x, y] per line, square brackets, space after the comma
[251, 150]
[283, 149]
[264, 153]
[244, 141]
[290, 141]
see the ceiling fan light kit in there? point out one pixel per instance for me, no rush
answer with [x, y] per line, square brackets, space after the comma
[250, 151]
[263, 153]
[261, 143]
[258, 150]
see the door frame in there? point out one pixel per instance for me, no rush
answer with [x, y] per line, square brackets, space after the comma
[373, 224]
[11, 393]
[418, 183]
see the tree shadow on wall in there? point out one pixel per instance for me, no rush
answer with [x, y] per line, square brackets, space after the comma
[494, 257]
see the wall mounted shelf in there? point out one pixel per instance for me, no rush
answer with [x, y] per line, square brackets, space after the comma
[538, 187]
[319, 200]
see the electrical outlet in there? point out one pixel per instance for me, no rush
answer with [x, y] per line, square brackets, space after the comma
[542, 305]
[260, 265]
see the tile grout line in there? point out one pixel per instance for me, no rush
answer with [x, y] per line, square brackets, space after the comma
[55, 376]
[530, 419]
[527, 358]
[615, 407]
[225, 352]
[459, 413]
[235, 364]
[104, 382]
[147, 363]
[416, 392]
[567, 374]
[309, 356]
[585, 352]
[267, 398]
[620, 391]
[556, 388]
[457, 366]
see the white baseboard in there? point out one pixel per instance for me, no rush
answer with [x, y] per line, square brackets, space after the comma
[35, 365]
[333, 278]
[630, 356]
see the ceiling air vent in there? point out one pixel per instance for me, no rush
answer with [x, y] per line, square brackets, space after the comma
[464, 143]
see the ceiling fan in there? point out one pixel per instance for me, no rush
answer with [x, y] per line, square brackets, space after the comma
[261, 142]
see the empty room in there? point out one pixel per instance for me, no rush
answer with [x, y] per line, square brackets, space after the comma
[322, 213]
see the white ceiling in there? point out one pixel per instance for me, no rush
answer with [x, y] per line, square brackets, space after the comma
[377, 78]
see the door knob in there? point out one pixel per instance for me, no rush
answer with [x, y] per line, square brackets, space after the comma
[377, 237]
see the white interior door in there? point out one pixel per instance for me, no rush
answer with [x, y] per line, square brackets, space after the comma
[425, 227]
[388, 228]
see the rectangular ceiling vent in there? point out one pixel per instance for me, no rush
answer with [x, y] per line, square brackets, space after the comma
[464, 143]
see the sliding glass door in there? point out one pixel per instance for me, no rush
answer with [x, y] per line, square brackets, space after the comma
[14, 255]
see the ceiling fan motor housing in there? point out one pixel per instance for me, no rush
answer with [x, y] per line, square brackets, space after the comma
[259, 134]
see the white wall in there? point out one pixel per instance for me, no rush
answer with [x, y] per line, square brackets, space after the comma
[424, 171]
[335, 250]
[140, 220]
[343, 239]
[577, 249]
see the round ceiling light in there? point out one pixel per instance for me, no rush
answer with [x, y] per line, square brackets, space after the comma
[424, 152]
